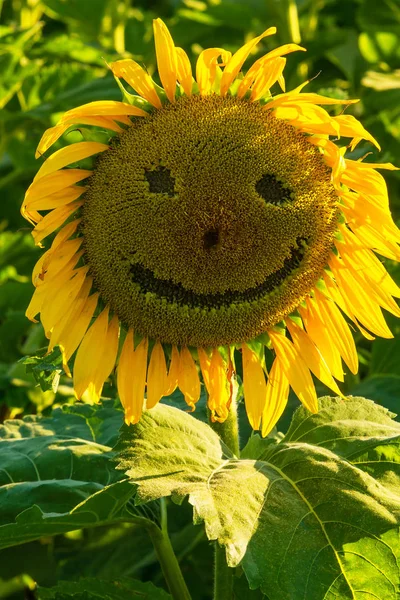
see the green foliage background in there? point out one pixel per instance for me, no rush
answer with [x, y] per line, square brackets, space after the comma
[53, 57]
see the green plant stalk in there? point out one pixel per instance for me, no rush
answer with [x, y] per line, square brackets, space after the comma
[223, 576]
[228, 431]
[167, 559]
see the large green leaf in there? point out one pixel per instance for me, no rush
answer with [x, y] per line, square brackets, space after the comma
[301, 518]
[92, 589]
[57, 474]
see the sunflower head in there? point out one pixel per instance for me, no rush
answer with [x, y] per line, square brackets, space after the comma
[218, 218]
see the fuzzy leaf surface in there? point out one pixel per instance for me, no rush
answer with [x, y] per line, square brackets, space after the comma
[302, 519]
[58, 474]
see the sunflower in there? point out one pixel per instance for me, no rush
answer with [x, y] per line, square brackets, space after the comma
[213, 218]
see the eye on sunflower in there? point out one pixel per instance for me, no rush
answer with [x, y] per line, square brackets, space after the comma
[217, 218]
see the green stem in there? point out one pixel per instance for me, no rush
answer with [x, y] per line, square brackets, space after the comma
[223, 576]
[167, 559]
[228, 431]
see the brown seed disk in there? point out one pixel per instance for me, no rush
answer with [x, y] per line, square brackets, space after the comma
[208, 221]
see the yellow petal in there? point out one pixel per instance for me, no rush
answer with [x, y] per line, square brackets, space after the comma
[71, 336]
[206, 67]
[308, 118]
[131, 378]
[262, 63]
[57, 260]
[68, 319]
[54, 220]
[167, 61]
[44, 293]
[156, 376]
[362, 178]
[138, 79]
[254, 386]
[321, 338]
[293, 99]
[365, 309]
[173, 373]
[351, 127]
[54, 182]
[334, 293]
[56, 200]
[68, 155]
[188, 378]
[312, 356]
[44, 260]
[106, 108]
[184, 76]
[276, 397]
[295, 369]
[59, 303]
[49, 138]
[234, 65]
[108, 358]
[266, 79]
[94, 374]
[220, 394]
[35, 304]
[100, 113]
[90, 353]
[205, 363]
[340, 333]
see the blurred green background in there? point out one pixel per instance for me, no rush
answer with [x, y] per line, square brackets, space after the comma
[53, 57]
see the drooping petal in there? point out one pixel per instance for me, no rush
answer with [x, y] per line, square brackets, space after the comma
[340, 333]
[54, 220]
[173, 372]
[167, 60]
[90, 353]
[64, 296]
[363, 306]
[276, 397]
[42, 264]
[131, 377]
[254, 385]
[205, 363]
[351, 127]
[68, 318]
[107, 360]
[321, 338]
[57, 260]
[219, 393]
[71, 336]
[156, 376]
[188, 378]
[296, 370]
[312, 356]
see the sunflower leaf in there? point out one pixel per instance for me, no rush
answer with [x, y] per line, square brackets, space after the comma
[92, 589]
[303, 521]
[57, 474]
